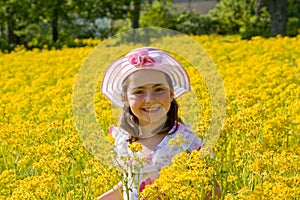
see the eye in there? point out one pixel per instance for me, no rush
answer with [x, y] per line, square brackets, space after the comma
[139, 91]
[159, 89]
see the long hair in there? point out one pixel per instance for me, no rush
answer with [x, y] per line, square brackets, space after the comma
[130, 123]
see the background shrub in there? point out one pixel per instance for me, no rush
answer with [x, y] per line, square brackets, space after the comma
[232, 17]
[292, 26]
[194, 23]
[159, 14]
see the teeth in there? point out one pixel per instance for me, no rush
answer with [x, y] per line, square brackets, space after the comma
[151, 109]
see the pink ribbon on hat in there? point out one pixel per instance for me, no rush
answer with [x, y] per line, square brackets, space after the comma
[141, 59]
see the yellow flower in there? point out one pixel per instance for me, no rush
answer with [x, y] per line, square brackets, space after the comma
[135, 147]
[41, 152]
[110, 138]
[257, 166]
[178, 141]
[231, 178]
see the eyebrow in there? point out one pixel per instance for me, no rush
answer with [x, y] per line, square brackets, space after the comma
[156, 85]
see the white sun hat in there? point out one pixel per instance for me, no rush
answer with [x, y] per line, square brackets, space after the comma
[143, 58]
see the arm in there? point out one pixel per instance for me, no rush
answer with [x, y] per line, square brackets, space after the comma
[217, 191]
[113, 194]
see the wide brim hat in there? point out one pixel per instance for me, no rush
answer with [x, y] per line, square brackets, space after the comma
[138, 59]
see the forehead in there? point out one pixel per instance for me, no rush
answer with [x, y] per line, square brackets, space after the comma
[147, 77]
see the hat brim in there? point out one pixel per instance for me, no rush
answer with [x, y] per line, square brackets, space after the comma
[119, 70]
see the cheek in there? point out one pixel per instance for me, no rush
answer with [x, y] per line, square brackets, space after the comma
[134, 101]
[165, 97]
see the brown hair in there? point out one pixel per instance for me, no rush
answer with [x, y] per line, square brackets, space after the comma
[129, 122]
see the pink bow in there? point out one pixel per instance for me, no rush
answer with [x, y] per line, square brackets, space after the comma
[141, 59]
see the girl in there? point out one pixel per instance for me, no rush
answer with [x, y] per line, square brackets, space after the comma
[145, 84]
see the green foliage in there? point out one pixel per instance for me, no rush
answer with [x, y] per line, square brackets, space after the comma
[257, 25]
[294, 9]
[292, 26]
[228, 16]
[194, 23]
[121, 26]
[162, 14]
[293, 17]
[36, 23]
[242, 17]
[159, 14]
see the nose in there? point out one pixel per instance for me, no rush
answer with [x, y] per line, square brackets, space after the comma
[149, 97]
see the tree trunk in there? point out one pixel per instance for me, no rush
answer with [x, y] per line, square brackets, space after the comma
[278, 12]
[54, 25]
[189, 5]
[111, 29]
[135, 14]
[12, 37]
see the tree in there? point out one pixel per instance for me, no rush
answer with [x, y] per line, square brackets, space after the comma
[39, 22]
[133, 9]
[15, 15]
[11, 26]
[278, 12]
[231, 16]
[53, 12]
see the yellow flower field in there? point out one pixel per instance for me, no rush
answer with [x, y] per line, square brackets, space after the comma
[256, 157]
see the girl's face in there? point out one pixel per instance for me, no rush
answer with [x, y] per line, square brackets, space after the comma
[149, 96]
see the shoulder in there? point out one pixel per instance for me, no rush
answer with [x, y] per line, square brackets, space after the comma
[185, 131]
[120, 139]
[194, 142]
[119, 135]
[114, 131]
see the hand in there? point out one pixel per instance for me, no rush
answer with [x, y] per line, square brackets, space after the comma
[110, 195]
[113, 194]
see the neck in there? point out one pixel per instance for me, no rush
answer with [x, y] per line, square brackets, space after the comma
[149, 130]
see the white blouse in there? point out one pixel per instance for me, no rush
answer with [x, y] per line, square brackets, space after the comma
[153, 161]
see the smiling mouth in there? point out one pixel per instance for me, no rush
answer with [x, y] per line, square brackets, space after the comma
[151, 109]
